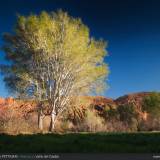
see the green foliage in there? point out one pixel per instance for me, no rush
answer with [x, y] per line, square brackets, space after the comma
[53, 58]
[127, 112]
[151, 104]
[111, 113]
[58, 36]
[81, 143]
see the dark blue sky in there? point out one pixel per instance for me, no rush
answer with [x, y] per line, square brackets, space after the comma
[132, 28]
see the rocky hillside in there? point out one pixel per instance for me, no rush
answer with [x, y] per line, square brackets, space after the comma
[18, 115]
[98, 102]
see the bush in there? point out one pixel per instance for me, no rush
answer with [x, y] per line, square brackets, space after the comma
[152, 124]
[64, 126]
[127, 113]
[122, 118]
[116, 126]
[92, 123]
[13, 123]
[95, 123]
[151, 104]
[111, 114]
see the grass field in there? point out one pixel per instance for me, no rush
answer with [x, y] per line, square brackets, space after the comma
[81, 143]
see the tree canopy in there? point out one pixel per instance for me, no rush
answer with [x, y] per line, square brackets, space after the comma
[53, 57]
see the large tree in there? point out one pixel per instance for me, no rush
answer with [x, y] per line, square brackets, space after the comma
[53, 59]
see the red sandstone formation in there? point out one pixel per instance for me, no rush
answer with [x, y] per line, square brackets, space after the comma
[99, 103]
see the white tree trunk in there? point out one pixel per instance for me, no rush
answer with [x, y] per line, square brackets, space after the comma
[52, 122]
[40, 122]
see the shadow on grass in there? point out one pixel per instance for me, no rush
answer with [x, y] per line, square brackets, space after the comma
[81, 143]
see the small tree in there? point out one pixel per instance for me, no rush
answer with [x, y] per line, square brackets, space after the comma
[127, 112]
[151, 104]
[128, 115]
[53, 58]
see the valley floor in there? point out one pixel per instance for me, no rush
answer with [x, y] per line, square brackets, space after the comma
[81, 143]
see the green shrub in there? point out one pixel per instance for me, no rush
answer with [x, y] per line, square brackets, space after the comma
[111, 114]
[127, 112]
[151, 104]
[128, 115]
